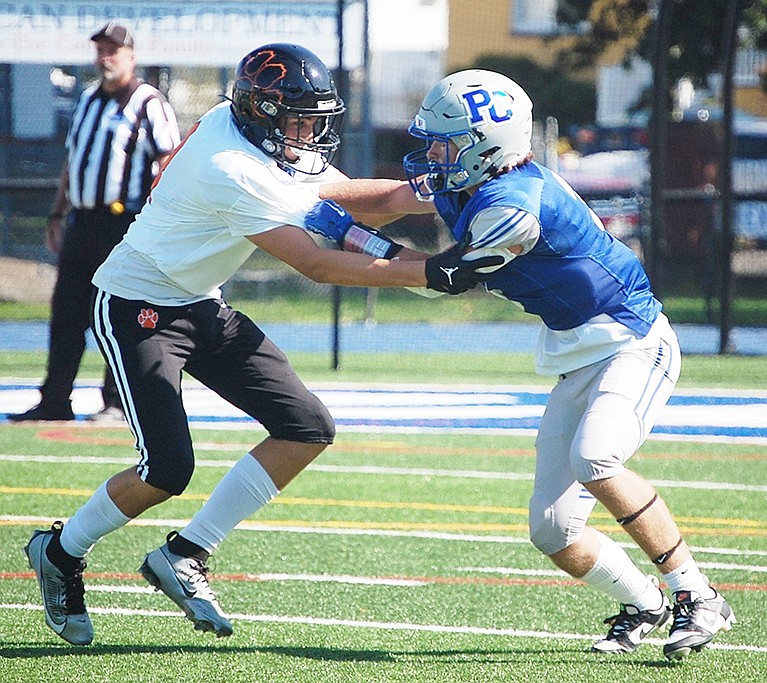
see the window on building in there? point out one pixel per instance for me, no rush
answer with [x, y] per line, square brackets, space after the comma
[533, 16]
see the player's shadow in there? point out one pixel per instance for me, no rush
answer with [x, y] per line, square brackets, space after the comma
[508, 655]
[463, 656]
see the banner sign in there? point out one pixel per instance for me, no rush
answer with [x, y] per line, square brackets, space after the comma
[177, 33]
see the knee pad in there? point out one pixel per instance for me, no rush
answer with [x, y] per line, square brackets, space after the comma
[593, 470]
[173, 476]
[602, 445]
[545, 534]
[558, 518]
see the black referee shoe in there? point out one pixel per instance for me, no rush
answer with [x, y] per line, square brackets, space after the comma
[45, 413]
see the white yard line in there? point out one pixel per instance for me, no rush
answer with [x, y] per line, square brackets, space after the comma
[379, 471]
[718, 416]
[383, 626]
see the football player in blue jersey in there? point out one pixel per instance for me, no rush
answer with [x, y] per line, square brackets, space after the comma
[603, 336]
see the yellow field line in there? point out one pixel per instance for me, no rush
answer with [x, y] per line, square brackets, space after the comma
[735, 527]
[427, 527]
[37, 491]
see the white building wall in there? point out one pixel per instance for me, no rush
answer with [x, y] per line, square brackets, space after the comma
[32, 115]
[618, 88]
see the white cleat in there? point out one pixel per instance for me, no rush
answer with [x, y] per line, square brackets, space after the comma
[696, 622]
[184, 580]
[631, 626]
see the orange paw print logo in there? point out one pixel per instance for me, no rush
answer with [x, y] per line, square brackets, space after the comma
[148, 318]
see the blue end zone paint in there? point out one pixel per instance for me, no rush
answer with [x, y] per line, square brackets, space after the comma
[713, 415]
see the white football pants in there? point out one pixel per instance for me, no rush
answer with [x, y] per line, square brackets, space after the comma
[595, 420]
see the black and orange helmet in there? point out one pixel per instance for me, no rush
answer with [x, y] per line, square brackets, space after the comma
[281, 80]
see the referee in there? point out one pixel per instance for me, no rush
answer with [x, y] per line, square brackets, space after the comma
[121, 132]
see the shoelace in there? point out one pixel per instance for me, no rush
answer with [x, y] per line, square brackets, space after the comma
[74, 591]
[200, 575]
[202, 569]
[622, 622]
[684, 614]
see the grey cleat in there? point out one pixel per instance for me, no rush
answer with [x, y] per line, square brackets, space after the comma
[63, 594]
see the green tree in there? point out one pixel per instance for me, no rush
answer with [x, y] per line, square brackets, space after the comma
[755, 20]
[608, 23]
[696, 46]
[573, 12]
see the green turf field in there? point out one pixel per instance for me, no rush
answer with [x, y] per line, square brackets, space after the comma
[394, 558]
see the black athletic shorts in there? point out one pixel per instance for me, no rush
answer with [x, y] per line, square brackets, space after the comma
[147, 347]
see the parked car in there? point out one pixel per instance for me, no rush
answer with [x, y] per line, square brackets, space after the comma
[616, 182]
[615, 186]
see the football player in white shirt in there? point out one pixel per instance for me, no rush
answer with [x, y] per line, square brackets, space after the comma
[244, 177]
[603, 334]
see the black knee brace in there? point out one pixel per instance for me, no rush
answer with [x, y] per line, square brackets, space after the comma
[663, 557]
[623, 521]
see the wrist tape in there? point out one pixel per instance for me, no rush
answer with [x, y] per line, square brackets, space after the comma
[368, 241]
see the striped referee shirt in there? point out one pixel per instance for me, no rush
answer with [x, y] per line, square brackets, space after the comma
[113, 143]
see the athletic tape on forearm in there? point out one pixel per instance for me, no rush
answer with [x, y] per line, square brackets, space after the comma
[364, 241]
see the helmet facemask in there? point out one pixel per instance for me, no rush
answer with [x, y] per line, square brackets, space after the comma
[445, 173]
[310, 154]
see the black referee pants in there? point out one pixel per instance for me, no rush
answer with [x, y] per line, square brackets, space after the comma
[89, 237]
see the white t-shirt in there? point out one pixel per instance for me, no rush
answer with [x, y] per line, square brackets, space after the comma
[191, 235]
[562, 351]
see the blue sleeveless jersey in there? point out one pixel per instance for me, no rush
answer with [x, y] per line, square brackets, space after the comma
[576, 270]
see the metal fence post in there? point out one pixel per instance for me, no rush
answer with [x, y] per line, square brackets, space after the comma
[730, 41]
[658, 140]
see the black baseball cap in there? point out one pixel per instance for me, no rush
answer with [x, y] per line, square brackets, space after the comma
[115, 32]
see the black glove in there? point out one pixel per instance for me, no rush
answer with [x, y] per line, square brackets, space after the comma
[448, 272]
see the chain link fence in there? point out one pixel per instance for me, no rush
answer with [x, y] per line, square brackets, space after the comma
[612, 170]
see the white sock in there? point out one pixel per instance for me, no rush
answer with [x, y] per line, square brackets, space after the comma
[615, 574]
[687, 577]
[243, 490]
[98, 517]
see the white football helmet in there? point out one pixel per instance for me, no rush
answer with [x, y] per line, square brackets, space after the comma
[486, 115]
